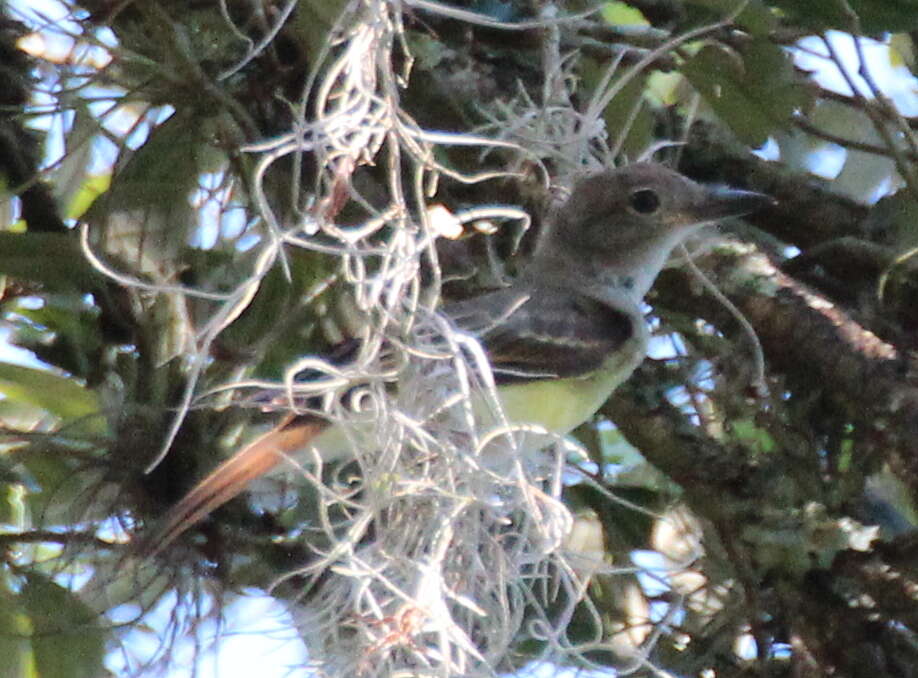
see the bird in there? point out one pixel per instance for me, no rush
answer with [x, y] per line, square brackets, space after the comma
[559, 338]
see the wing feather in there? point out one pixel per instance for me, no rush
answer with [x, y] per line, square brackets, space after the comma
[543, 333]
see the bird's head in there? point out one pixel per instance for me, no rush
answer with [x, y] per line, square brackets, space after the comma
[646, 202]
[626, 221]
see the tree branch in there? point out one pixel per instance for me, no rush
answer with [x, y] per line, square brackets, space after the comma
[808, 211]
[817, 344]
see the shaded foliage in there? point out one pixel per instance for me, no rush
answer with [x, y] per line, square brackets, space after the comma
[779, 514]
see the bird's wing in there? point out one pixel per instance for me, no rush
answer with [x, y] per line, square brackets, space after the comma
[528, 333]
[533, 332]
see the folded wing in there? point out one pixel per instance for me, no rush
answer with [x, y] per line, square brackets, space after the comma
[543, 333]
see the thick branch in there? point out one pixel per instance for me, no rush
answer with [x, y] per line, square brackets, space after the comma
[668, 439]
[817, 344]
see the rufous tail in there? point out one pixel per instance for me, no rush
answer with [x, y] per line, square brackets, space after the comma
[232, 477]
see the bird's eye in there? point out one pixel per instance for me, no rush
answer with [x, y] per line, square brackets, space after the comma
[644, 201]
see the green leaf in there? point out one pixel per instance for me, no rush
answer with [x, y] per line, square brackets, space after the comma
[863, 174]
[755, 437]
[874, 16]
[427, 51]
[310, 24]
[92, 188]
[63, 331]
[617, 450]
[622, 14]
[15, 649]
[756, 17]
[619, 114]
[893, 221]
[162, 172]
[56, 493]
[19, 415]
[70, 175]
[67, 640]
[146, 216]
[59, 396]
[755, 92]
[276, 324]
[12, 508]
[902, 52]
[52, 259]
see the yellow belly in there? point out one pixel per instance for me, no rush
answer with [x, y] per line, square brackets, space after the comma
[561, 405]
[558, 405]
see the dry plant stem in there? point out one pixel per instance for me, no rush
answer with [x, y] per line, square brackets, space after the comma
[852, 144]
[898, 261]
[222, 319]
[267, 39]
[886, 107]
[234, 304]
[373, 582]
[605, 92]
[758, 358]
[126, 280]
[432, 556]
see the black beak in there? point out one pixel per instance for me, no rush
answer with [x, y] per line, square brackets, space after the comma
[721, 201]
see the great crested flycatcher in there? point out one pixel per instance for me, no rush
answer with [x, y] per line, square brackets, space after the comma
[559, 339]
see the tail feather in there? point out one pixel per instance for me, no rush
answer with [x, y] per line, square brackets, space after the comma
[232, 477]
